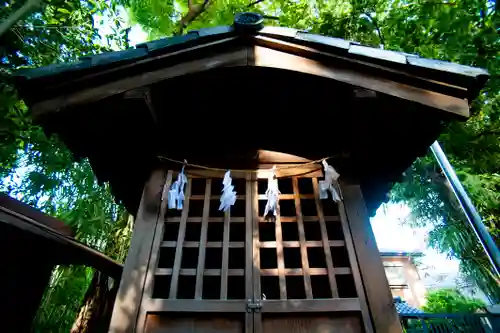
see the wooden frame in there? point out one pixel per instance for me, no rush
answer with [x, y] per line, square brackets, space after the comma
[310, 303]
[268, 57]
[263, 52]
[130, 292]
[378, 294]
[373, 304]
[172, 303]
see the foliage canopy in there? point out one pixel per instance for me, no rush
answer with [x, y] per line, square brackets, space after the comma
[451, 301]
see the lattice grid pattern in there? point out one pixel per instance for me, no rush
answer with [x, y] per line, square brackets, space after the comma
[301, 255]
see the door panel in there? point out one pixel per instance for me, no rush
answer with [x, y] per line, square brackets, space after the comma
[200, 323]
[318, 323]
[304, 263]
[240, 272]
[198, 264]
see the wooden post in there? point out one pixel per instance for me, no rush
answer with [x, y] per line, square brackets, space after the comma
[131, 288]
[378, 294]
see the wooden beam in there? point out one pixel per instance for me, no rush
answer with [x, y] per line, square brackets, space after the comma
[267, 57]
[203, 240]
[280, 256]
[35, 215]
[353, 262]
[205, 272]
[306, 171]
[302, 240]
[225, 255]
[180, 241]
[230, 58]
[274, 157]
[191, 305]
[430, 82]
[149, 283]
[130, 292]
[70, 251]
[268, 52]
[378, 294]
[143, 93]
[325, 241]
[300, 271]
[309, 305]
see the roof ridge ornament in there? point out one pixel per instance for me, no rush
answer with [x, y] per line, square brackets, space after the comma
[248, 22]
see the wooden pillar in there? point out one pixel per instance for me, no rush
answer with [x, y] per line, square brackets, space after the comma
[130, 292]
[378, 294]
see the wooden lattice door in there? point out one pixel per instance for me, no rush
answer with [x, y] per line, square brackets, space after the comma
[236, 272]
[199, 274]
[306, 277]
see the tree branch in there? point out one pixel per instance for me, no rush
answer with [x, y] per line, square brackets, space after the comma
[194, 11]
[380, 37]
[251, 4]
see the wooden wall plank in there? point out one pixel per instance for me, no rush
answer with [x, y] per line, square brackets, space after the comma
[180, 241]
[302, 239]
[324, 237]
[130, 292]
[203, 240]
[378, 294]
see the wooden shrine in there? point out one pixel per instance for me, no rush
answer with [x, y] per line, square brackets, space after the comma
[250, 97]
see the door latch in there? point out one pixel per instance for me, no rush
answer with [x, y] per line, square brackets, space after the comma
[253, 306]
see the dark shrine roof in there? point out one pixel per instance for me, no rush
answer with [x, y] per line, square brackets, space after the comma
[214, 96]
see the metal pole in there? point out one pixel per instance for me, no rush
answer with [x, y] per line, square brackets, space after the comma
[470, 211]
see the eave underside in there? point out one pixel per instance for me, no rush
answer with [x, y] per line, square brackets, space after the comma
[218, 104]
